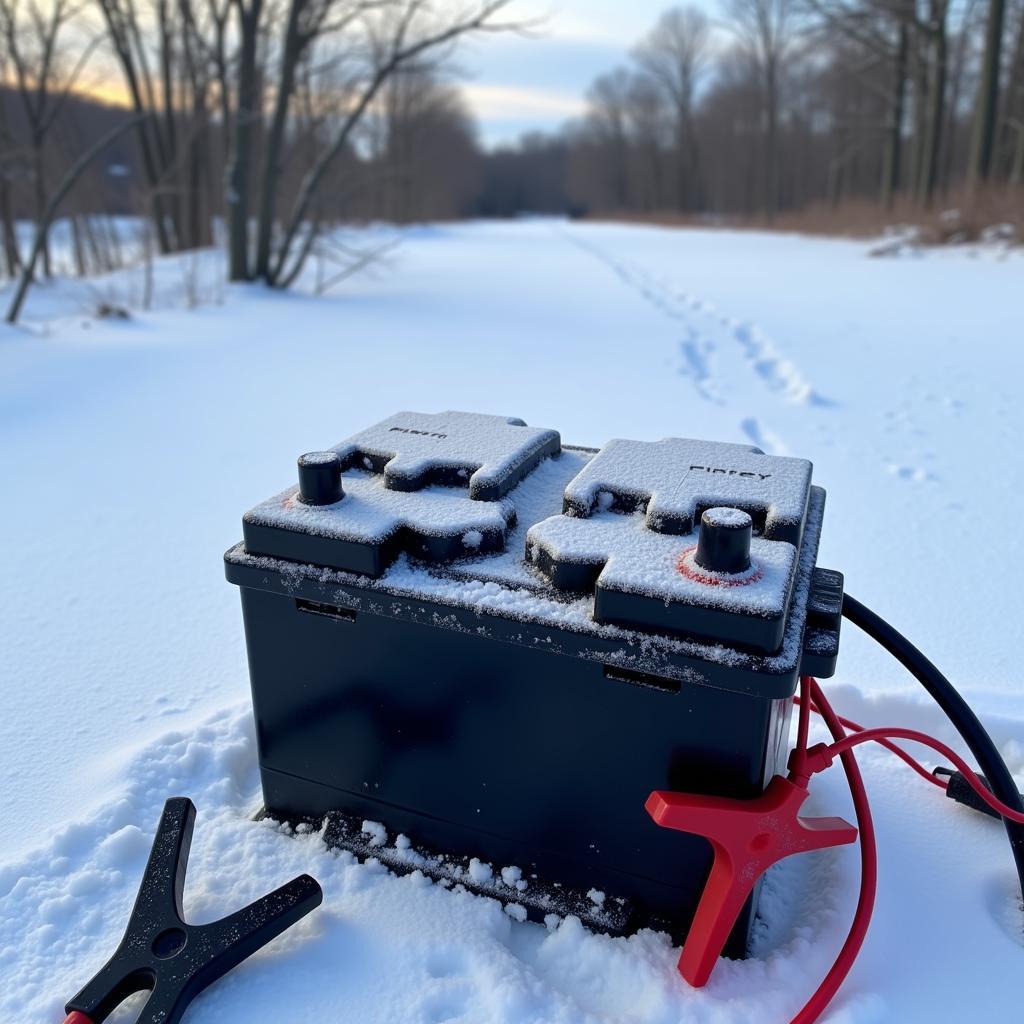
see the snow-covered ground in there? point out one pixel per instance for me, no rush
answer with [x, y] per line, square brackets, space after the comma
[129, 450]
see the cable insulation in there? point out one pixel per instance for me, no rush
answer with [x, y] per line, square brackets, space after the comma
[826, 991]
[848, 723]
[979, 787]
[956, 709]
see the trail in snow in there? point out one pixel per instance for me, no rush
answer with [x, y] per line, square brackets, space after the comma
[708, 334]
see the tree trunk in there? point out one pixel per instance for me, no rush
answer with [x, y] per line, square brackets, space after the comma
[772, 140]
[171, 172]
[1013, 106]
[936, 106]
[983, 136]
[1017, 166]
[294, 44]
[76, 245]
[240, 164]
[12, 256]
[39, 195]
[954, 79]
[891, 175]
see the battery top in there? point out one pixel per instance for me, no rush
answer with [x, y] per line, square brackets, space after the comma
[696, 540]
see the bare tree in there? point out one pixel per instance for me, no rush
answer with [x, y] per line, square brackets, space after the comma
[397, 34]
[607, 130]
[675, 55]
[425, 162]
[1012, 117]
[306, 21]
[46, 217]
[128, 36]
[935, 57]
[986, 111]
[8, 154]
[37, 46]
[766, 29]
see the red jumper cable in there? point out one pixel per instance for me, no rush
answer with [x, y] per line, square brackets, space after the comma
[749, 836]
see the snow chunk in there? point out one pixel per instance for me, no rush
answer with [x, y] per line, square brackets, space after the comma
[376, 831]
[479, 871]
[511, 875]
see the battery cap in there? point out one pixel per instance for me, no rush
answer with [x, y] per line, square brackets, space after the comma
[723, 544]
[320, 478]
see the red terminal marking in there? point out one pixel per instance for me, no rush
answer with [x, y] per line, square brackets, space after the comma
[77, 1017]
[748, 837]
[686, 565]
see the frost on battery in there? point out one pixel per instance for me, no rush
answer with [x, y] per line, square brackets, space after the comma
[491, 453]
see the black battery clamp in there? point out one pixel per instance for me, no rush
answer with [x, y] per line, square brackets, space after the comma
[161, 953]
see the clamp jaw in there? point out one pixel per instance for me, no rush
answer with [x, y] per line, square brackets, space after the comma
[748, 837]
[174, 960]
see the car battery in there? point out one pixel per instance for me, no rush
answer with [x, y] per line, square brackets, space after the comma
[476, 651]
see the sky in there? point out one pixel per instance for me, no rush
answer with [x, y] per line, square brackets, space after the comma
[515, 84]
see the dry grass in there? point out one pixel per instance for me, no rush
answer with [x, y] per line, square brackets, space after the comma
[956, 218]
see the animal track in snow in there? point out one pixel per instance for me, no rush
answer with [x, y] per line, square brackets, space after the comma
[698, 348]
[764, 439]
[912, 474]
[697, 354]
[776, 371]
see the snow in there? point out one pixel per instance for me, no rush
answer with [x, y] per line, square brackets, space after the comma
[370, 512]
[728, 518]
[377, 833]
[479, 872]
[512, 875]
[130, 449]
[318, 458]
[716, 473]
[496, 451]
[637, 560]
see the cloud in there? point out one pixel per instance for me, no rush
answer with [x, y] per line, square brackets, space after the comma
[494, 102]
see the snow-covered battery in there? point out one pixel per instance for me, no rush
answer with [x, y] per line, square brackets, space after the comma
[493, 647]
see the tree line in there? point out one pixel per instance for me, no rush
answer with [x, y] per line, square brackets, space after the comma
[260, 123]
[780, 104]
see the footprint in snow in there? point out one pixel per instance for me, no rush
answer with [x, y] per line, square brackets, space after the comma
[912, 474]
[775, 371]
[697, 353]
[762, 438]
